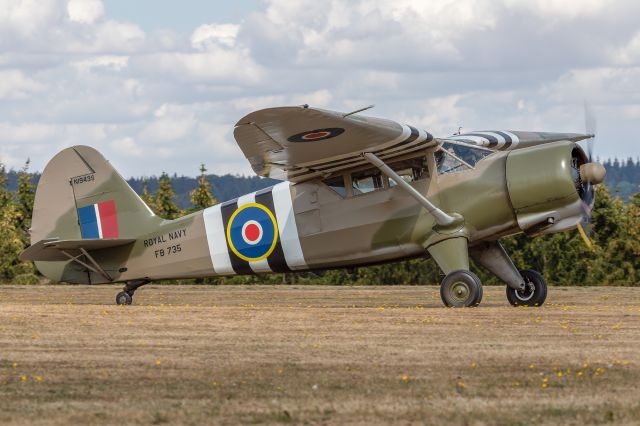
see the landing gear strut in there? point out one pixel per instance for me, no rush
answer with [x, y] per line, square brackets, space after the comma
[534, 292]
[125, 297]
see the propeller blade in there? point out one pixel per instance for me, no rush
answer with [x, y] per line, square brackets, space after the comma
[588, 195]
[590, 124]
[585, 237]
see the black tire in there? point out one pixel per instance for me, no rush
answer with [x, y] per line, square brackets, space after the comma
[535, 292]
[124, 298]
[461, 289]
[480, 294]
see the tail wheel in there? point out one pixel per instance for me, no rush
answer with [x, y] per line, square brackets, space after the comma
[124, 298]
[534, 292]
[461, 289]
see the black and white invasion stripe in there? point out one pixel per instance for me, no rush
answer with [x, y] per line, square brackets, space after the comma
[287, 254]
[495, 139]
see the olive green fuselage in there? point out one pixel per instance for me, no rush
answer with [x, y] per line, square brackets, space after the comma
[527, 190]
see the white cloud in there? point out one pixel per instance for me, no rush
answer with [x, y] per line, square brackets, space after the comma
[70, 73]
[113, 62]
[26, 18]
[566, 9]
[215, 65]
[15, 85]
[220, 34]
[127, 146]
[85, 11]
[171, 123]
[629, 53]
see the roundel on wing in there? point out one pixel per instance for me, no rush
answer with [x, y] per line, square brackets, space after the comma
[316, 135]
[252, 232]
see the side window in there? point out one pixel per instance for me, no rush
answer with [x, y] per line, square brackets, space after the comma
[410, 170]
[366, 181]
[337, 184]
[445, 163]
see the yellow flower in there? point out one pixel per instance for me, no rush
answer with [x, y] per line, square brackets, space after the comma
[585, 365]
[474, 364]
[14, 365]
[580, 373]
[544, 385]
[559, 374]
[23, 378]
[532, 366]
[405, 378]
[38, 378]
[545, 380]
[158, 362]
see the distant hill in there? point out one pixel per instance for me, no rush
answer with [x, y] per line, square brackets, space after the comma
[226, 187]
[623, 177]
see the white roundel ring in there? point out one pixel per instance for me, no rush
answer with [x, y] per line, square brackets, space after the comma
[252, 232]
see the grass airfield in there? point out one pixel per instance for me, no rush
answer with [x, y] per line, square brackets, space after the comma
[316, 355]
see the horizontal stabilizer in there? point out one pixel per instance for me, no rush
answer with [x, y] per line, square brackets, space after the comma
[52, 249]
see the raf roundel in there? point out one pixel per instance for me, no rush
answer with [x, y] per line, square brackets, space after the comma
[316, 135]
[252, 232]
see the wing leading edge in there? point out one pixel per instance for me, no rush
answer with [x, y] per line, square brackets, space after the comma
[503, 140]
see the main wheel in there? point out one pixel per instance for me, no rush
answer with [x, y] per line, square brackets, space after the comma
[124, 298]
[461, 288]
[534, 292]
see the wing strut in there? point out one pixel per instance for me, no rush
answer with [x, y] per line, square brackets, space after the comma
[442, 218]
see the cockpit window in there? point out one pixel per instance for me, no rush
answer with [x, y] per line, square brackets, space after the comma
[366, 181]
[447, 163]
[469, 154]
[337, 184]
[410, 170]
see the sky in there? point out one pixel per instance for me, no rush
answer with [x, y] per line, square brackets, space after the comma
[158, 85]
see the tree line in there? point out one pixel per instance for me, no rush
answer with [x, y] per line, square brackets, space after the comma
[563, 258]
[623, 178]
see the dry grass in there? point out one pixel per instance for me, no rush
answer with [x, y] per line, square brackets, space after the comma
[316, 355]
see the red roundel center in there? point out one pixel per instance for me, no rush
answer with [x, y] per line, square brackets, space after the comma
[252, 232]
[316, 135]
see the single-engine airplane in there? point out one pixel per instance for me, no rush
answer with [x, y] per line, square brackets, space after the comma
[355, 191]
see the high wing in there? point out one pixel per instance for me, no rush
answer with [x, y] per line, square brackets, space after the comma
[301, 143]
[503, 140]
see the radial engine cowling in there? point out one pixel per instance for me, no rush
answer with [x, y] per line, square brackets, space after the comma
[546, 186]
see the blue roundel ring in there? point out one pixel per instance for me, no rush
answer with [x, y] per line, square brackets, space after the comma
[252, 232]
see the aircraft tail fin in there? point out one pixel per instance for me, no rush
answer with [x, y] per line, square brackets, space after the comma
[80, 196]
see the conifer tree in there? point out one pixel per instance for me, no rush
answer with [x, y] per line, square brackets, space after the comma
[5, 196]
[12, 239]
[146, 196]
[165, 207]
[25, 196]
[201, 197]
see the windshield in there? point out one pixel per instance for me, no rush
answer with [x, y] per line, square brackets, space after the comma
[446, 163]
[469, 154]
